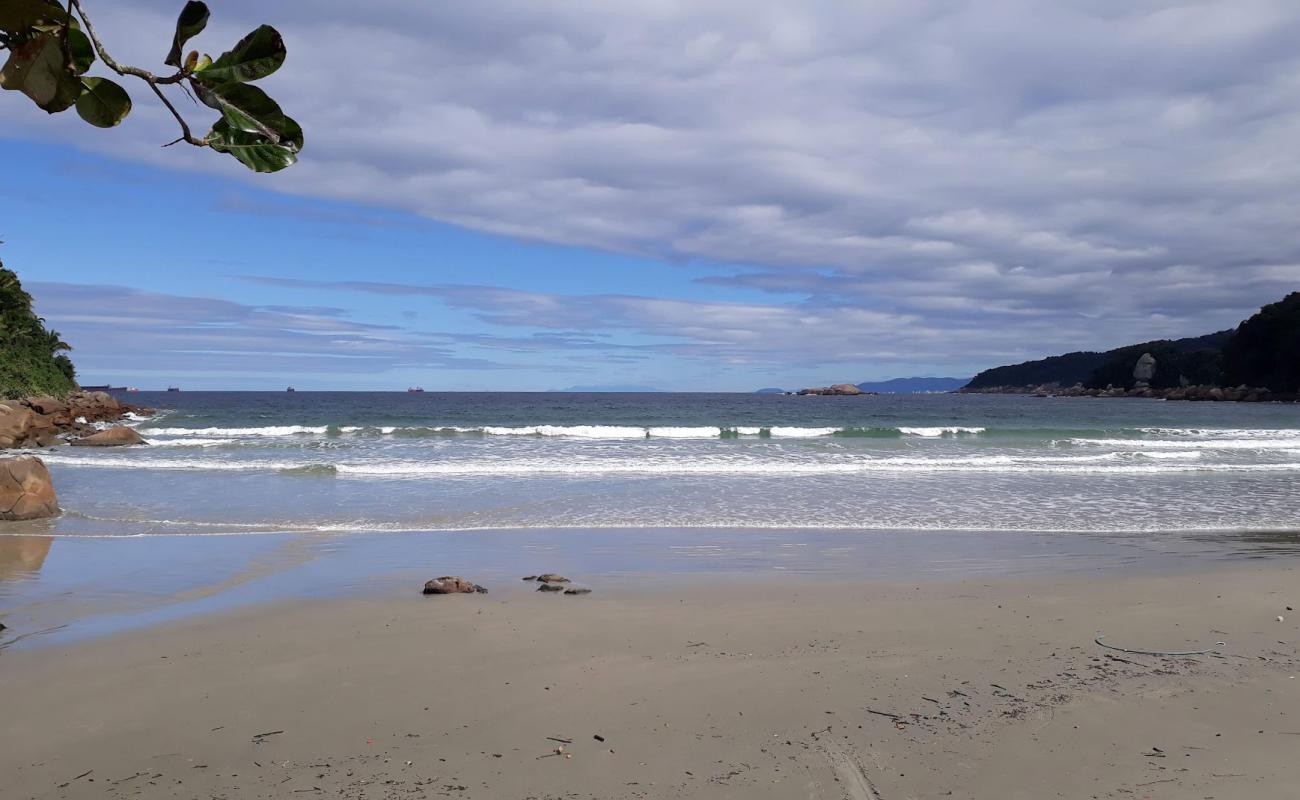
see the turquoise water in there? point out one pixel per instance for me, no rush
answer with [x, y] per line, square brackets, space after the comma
[256, 463]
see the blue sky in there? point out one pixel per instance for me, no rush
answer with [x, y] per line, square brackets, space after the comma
[693, 196]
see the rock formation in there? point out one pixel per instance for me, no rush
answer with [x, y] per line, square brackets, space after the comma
[112, 437]
[39, 421]
[452, 584]
[1143, 371]
[846, 389]
[26, 491]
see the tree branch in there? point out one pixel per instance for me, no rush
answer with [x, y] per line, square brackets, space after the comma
[153, 80]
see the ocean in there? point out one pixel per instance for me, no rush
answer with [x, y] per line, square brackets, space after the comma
[274, 462]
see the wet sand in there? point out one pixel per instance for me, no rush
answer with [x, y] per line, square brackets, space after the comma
[777, 686]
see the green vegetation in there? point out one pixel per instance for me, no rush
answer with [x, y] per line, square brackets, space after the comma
[51, 48]
[1195, 360]
[32, 360]
[1266, 349]
[1262, 353]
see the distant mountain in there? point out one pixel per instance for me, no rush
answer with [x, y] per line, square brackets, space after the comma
[770, 390]
[913, 385]
[610, 387]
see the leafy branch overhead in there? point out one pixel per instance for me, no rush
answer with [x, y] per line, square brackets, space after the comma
[51, 47]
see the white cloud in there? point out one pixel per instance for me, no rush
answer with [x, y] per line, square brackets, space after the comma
[1090, 172]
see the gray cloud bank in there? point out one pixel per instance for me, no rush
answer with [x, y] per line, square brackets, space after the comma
[973, 180]
[111, 326]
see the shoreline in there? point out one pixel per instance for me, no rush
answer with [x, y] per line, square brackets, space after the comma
[870, 689]
[87, 587]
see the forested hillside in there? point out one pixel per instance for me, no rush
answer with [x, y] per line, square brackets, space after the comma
[32, 360]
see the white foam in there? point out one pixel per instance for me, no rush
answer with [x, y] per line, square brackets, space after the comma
[801, 433]
[1226, 433]
[949, 430]
[581, 431]
[270, 430]
[1190, 443]
[661, 467]
[686, 433]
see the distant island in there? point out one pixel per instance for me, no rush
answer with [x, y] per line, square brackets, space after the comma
[894, 386]
[1259, 360]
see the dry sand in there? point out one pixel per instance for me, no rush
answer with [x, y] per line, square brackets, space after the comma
[762, 688]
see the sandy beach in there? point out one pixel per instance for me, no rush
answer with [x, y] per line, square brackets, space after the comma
[760, 687]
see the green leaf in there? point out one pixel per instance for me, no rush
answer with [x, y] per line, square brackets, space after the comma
[19, 15]
[36, 69]
[257, 55]
[104, 103]
[246, 108]
[254, 150]
[191, 22]
[83, 52]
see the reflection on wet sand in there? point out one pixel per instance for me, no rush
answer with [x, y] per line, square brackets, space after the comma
[23, 556]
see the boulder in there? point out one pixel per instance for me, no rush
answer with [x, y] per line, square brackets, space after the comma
[26, 491]
[112, 437]
[550, 587]
[452, 584]
[21, 427]
[50, 407]
[578, 590]
[96, 406]
[551, 577]
[1144, 370]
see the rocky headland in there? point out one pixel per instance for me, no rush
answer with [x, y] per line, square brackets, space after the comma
[48, 421]
[26, 491]
[1258, 361]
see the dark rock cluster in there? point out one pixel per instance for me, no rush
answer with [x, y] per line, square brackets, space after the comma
[46, 421]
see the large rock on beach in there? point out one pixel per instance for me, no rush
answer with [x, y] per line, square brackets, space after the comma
[22, 427]
[26, 491]
[59, 411]
[452, 584]
[112, 437]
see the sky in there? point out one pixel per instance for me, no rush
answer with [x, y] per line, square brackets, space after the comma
[703, 195]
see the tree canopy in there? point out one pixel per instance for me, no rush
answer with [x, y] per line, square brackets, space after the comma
[1266, 348]
[52, 48]
[32, 359]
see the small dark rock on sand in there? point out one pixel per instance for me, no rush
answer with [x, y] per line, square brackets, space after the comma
[550, 587]
[551, 577]
[578, 590]
[452, 584]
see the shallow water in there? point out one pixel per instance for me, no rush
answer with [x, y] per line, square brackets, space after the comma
[344, 462]
[55, 589]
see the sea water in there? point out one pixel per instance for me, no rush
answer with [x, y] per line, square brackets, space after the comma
[235, 462]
